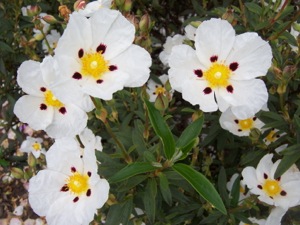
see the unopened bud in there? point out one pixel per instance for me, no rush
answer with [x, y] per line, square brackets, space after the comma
[132, 19]
[31, 160]
[161, 102]
[120, 3]
[229, 16]
[64, 12]
[145, 23]
[27, 173]
[79, 4]
[33, 10]
[101, 114]
[281, 89]
[49, 19]
[254, 134]
[17, 173]
[127, 5]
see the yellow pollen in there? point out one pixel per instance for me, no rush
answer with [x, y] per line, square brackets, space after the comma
[272, 187]
[160, 90]
[242, 190]
[36, 146]
[217, 75]
[78, 183]
[94, 64]
[246, 124]
[271, 137]
[51, 100]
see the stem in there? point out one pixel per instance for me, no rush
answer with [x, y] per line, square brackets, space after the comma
[79, 141]
[47, 42]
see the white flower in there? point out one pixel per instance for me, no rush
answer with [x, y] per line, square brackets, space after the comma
[221, 71]
[190, 32]
[273, 136]
[97, 53]
[295, 33]
[282, 192]
[168, 46]
[18, 210]
[230, 184]
[275, 216]
[15, 221]
[52, 39]
[255, 221]
[154, 89]
[91, 7]
[69, 191]
[239, 127]
[33, 145]
[41, 109]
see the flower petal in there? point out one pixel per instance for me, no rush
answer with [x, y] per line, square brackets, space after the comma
[264, 167]
[27, 109]
[252, 54]
[44, 190]
[111, 28]
[135, 61]
[214, 37]
[247, 98]
[183, 61]
[30, 79]
[192, 91]
[275, 216]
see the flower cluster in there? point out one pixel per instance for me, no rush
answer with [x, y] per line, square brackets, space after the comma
[94, 58]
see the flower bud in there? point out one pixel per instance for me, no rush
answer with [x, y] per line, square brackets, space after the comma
[127, 5]
[33, 10]
[31, 160]
[229, 16]
[161, 102]
[17, 173]
[132, 19]
[27, 173]
[79, 4]
[145, 23]
[49, 19]
[64, 12]
[254, 134]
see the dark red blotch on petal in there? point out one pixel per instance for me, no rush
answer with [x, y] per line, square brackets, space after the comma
[89, 173]
[65, 188]
[80, 53]
[207, 90]
[214, 58]
[112, 67]
[229, 88]
[101, 48]
[76, 199]
[62, 110]
[73, 169]
[43, 106]
[99, 81]
[43, 89]
[89, 192]
[77, 76]
[233, 66]
[198, 73]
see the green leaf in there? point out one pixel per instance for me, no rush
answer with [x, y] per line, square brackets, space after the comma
[132, 170]
[253, 7]
[201, 184]
[222, 181]
[119, 213]
[290, 157]
[161, 129]
[164, 188]
[189, 135]
[149, 199]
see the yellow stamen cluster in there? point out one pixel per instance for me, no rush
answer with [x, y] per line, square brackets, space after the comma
[36, 146]
[51, 100]
[78, 183]
[160, 90]
[246, 124]
[272, 187]
[94, 64]
[217, 75]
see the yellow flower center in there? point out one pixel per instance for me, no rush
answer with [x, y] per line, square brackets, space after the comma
[271, 187]
[246, 124]
[51, 100]
[160, 90]
[271, 137]
[78, 183]
[94, 64]
[37, 146]
[242, 190]
[217, 75]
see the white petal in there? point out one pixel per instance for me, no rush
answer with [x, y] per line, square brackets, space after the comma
[227, 122]
[292, 197]
[68, 152]
[111, 28]
[249, 177]
[112, 82]
[135, 61]
[253, 56]
[275, 216]
[222, 104]
[71, 123]
[44, 190]
[27, 109]
[192, 91]
[214, 37]
[30, 78]
[76, 36]
[264, 167]
[248, 97]
[183, 61]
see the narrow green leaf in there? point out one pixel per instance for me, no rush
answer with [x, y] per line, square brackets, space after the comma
[253, 7]
[190, 134]
[201, 184]
[120, 213]
[222, 181]
[164, 188]
[288, 160]
[149, 199]
[132, 170]
[161, 129]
